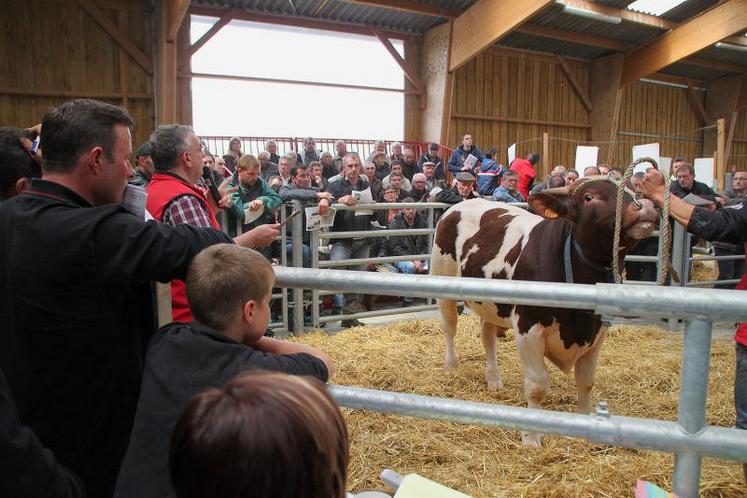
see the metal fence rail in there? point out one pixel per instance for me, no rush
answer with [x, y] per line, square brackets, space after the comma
[689, 438]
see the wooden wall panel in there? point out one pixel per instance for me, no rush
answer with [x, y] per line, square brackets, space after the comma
[739, 143]
[52, 50]
[662, 111]
[507, 96]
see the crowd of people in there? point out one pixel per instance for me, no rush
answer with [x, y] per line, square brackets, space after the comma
[94, 401]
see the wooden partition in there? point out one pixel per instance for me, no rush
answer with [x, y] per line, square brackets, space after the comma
[506, 96]
[54, 50]
[738, 156]
[650, 111]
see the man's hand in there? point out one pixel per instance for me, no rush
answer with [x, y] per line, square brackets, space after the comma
[28, 144]
[260, 236]
[323, 206]
[324, 195]
[255, 205]
[652, 186]
[418, 266]
[466, 168]
[225, 189]
[348, 200]
[226, 201]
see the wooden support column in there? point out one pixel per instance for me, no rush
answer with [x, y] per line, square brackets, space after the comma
[166, 70]
[720, 157]
[413, 103]
[606, 97]
[434, 72]
[721, 102]
[545, 156]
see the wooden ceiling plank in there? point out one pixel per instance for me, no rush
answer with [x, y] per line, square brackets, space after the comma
[486, 22]
[701, 32]
[410, 7]
[122, 39]
[573, 37]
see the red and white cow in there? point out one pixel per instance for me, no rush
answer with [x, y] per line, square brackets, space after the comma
[485, 239]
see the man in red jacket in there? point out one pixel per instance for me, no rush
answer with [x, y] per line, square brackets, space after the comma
[175, 198]
[525, 169]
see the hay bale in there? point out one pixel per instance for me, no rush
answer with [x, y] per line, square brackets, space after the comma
[638, 375]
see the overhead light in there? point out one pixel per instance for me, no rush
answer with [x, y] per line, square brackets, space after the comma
[590, 14]
[729, 46]
[654, 7]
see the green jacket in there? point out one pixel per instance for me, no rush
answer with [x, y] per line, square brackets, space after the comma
[243, 197]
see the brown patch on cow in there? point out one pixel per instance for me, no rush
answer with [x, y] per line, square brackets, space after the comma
[504, 310]
[489, 238]
[513, 254]
[446, 233]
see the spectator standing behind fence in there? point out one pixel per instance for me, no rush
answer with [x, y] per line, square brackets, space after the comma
[732, 269]
[267, 167]
[727, 225]
[420, 188]
[379, 146]
[461, 153]
[431, 155]
[397, 154]
[174, 197]
[507, 191]
[396, 168]
[272, 148]
[355, 248]
[489, 174]
[404, 245]
[254, 436]
[234, 153]
[341, 149]
[300, 189]
[329, 169]
[252, 194]
[525, 169]
[382, 165]
[431, 179]
[144, 167]
[465, 183]
[370, 171]
[570, 177]
[284, 168]
[686, 184]
[229, 290]
[309, 152]
[316, 177]
[409, 163]
[17, 167]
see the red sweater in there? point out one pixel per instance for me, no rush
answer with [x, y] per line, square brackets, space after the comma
[741, 335]
[526, 173]
[162, 190]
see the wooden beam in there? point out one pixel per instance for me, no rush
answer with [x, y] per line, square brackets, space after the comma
[319, 8]
[225, 19]
[176, 11]
[301, 22]
[486, 22]
[112, 30]
[695, 35]
[720, 156]
[712, 64]
[574, 84]
[573, 37]
[67, 94]
[124, 62]
[501, 119]
[696, 103]
[230, 77]
[410, 7]
[410, 73]
[624, 14]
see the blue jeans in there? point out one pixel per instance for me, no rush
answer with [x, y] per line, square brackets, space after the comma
[306, 255]
[409, 268]
[357, 249]
[740, 387]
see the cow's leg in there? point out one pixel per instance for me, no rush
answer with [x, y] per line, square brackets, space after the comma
[584, 371]
[448, 327]
[531, 348]
[492, 373]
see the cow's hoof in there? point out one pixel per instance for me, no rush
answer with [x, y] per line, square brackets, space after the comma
[450, 365]
[531, 439]
[495, 385]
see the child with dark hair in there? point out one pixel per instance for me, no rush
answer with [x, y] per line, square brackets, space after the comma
[261, 435]
[229, 290]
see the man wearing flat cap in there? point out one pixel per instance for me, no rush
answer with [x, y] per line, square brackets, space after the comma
[465, 181]
[144, 167]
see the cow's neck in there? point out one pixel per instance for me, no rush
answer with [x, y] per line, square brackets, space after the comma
[590, 253]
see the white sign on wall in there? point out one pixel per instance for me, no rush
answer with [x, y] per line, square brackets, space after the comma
[645, 150]
[704, 170]
[586, 156]
[511, 154]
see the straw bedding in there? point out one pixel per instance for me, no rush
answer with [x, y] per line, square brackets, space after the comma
[638, 375]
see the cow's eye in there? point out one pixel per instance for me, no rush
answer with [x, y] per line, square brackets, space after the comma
[588, 196]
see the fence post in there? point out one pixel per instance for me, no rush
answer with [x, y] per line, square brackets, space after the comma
[314, 243]
[696, 351]
[297, 261]
[284, 262]
[680, 253]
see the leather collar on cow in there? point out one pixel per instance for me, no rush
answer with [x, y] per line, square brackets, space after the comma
[570, 240]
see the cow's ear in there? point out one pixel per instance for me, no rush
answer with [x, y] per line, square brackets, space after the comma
[551, 203]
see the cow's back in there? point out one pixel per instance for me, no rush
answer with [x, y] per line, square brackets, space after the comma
[481, 238]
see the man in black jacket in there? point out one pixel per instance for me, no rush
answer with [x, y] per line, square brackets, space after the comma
[342, 191]
[403, 245]
[76, 306]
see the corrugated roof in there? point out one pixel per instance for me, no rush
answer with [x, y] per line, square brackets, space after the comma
[539, 44]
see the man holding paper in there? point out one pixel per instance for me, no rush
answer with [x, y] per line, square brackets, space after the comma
[350, 190]
[465, 157]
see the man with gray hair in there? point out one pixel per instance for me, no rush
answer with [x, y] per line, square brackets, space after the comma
[341, 148]
[175, 198]
[272, 148]
[309, 152]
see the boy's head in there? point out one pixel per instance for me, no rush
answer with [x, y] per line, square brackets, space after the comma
[229, 286]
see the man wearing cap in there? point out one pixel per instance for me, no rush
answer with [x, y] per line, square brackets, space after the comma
[144, 168]
[464, 183]
[431, 178]
[431, 156]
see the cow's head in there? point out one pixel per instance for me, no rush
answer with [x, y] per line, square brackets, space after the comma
[590, 204]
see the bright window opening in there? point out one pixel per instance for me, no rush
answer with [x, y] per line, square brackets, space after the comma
[654, 7]
[250, 108]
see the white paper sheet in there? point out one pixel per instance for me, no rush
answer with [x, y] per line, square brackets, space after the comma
[250, 216]
[134, 200]
[586, 155]
[471, 161]
[645, 150]
[363, 197]
[511, 154]
[315, 221]
[704, 172]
